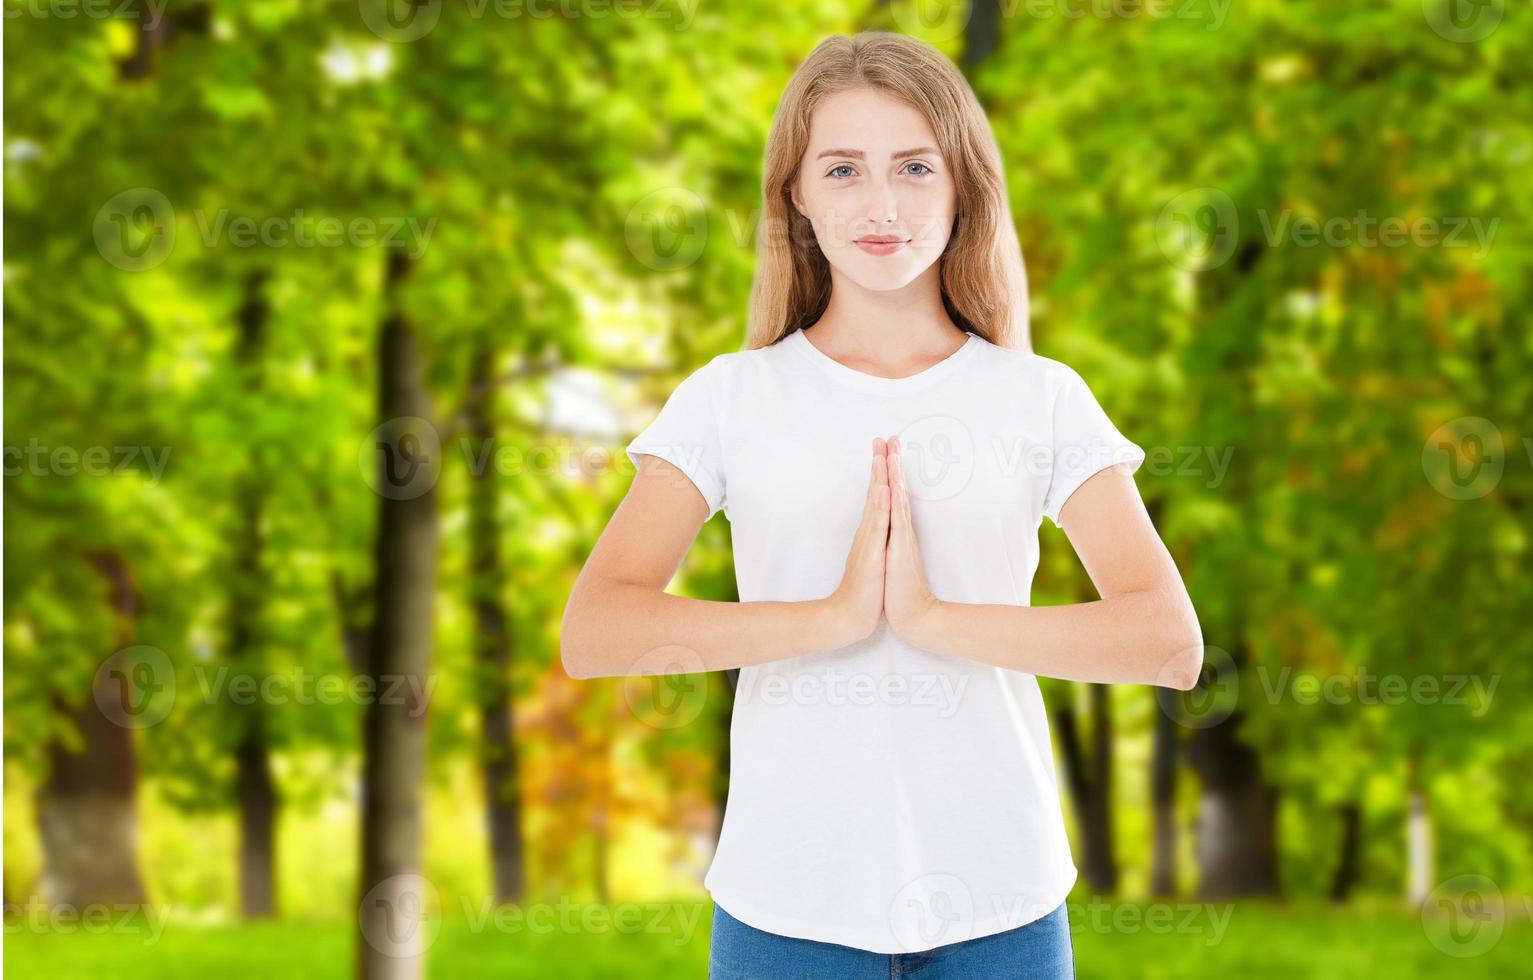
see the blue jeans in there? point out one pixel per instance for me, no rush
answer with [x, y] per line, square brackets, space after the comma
[1039, 950]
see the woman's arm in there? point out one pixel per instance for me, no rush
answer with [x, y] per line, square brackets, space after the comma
[620, 619]
[1142, 631]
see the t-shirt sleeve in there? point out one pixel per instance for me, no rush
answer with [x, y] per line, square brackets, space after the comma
[1085, 442]
[686, 434]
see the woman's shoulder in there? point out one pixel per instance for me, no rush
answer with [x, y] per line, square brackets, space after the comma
[740, 365]
[1025, 365]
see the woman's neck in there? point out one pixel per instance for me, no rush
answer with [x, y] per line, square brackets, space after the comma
[889, 332]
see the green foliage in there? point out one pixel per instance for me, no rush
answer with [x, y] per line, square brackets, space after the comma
[540, 170]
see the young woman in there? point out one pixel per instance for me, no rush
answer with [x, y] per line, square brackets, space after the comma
[884, 449]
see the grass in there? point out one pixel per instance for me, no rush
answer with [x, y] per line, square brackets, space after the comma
[1187, 940]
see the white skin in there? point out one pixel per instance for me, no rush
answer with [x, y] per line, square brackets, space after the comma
[885, 317]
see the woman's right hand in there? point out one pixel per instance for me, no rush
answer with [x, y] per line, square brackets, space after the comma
[858, 602]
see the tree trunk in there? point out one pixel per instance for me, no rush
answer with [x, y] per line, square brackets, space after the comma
[982, 32]
[1237, 817]
[394, 899]
[503, 798]
[87, 809]
[255, 792]
[1418, 833]
[1164, 758]
[1345, 877]
[1089, 778]
[258, 818]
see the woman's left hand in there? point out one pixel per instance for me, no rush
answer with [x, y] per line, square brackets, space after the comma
[908, 601]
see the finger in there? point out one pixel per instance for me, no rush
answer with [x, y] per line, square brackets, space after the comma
[873, 474]
[885, 508]
[902, 515]
[875, 508]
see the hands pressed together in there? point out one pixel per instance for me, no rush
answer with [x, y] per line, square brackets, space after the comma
[884, 575]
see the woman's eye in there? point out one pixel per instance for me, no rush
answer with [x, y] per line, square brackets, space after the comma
[925, 171]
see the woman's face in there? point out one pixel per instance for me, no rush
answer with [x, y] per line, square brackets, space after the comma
[872, 171]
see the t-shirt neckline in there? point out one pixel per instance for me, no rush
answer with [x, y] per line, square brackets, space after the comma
[872, 382]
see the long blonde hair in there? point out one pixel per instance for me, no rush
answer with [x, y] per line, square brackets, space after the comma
[984, 281]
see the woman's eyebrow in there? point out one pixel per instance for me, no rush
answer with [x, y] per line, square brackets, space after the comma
[859, 155]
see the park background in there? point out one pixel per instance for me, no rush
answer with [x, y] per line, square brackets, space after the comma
[326, 323]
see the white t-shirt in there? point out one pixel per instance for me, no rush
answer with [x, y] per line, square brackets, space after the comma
[882, 796]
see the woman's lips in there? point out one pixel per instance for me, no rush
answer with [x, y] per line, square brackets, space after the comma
[880, 248]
